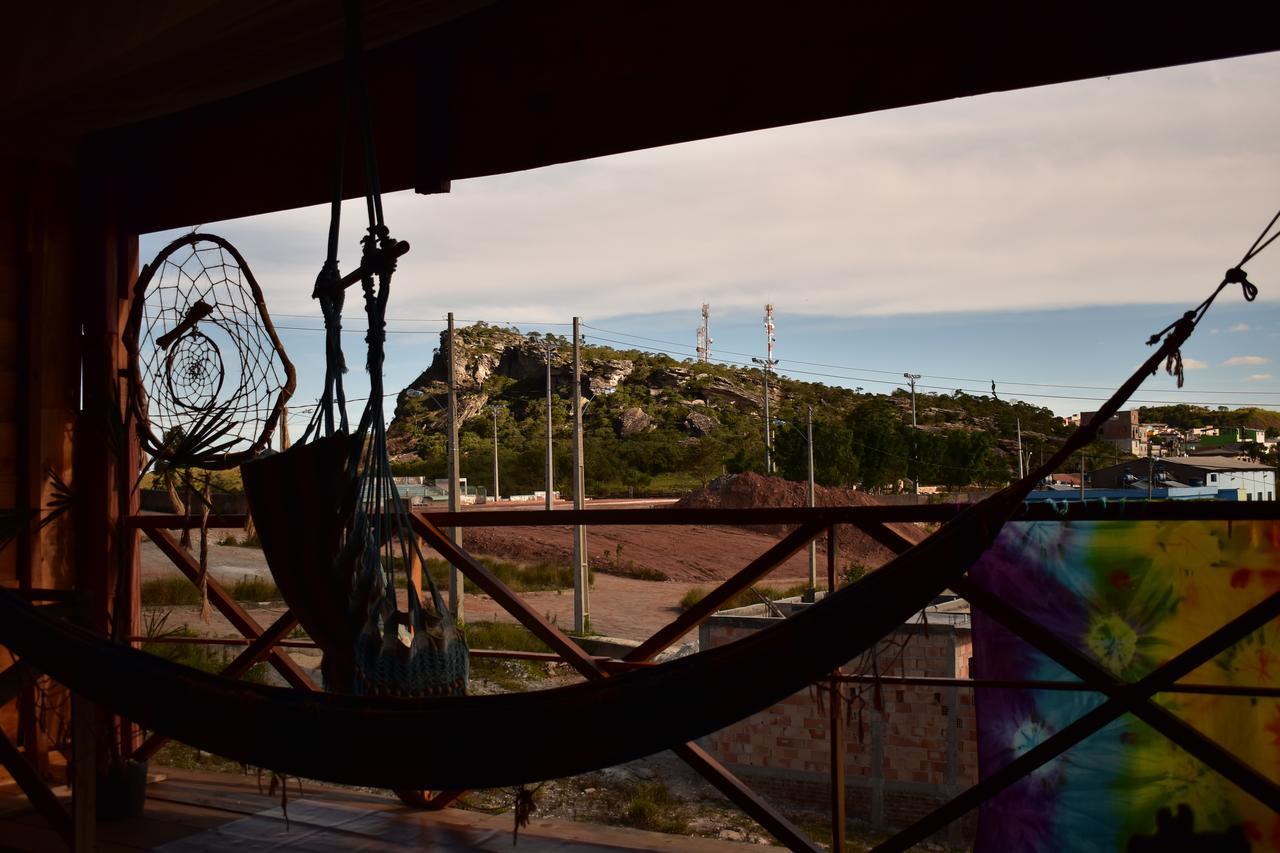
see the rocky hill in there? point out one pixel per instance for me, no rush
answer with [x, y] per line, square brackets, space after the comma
[657, 425]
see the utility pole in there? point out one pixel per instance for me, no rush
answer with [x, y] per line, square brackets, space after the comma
[550, 457]
[284, 429]
[495, 453]
[813, 545]
[455, 492]
[766, 365]
[915, 479]
[581, 587]
[1021, 474]
[1151, 474]
[1082, 478]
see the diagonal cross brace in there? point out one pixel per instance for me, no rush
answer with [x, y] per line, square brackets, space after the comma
[700, 612]
[229, 607]
[724, 781]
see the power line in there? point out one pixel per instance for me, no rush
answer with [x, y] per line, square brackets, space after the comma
[944, 388]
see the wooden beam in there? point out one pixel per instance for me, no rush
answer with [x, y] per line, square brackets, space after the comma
[920, 513]
[714, 600]
[41, 798]
[229, 607]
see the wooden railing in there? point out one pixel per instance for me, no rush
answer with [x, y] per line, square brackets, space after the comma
[269, 643]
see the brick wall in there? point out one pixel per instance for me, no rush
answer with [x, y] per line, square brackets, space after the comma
[907, 749]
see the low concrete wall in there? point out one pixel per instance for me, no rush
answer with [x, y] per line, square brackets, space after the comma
[907, 749]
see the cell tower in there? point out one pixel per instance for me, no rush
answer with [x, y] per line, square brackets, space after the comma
[768, 331]
[704, 335]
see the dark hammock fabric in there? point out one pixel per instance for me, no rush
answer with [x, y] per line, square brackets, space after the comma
[300, 500]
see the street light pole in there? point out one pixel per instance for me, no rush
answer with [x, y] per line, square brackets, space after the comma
[766, 364]
[915, 475]
[495, 453]
[550, 458]
[813, 545]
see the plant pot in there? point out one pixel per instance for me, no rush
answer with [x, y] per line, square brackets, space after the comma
[122, 790]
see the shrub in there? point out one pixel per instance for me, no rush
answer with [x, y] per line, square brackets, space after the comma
[172, 591]
[254, 588]
[651, 806]
[212, 659]
[753, 595]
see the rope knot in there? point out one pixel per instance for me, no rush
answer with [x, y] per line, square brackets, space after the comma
[1235, 275]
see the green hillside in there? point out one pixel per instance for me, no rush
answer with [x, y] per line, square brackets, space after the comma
[654, 424]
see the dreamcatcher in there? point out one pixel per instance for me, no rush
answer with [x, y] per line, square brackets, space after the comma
[208, 376]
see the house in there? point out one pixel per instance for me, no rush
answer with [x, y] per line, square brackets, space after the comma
[1122, 431]
[1244, 480]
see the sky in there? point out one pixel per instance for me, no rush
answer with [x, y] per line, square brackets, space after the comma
[1035, 238]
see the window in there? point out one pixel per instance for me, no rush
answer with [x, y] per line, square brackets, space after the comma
[1213, 478]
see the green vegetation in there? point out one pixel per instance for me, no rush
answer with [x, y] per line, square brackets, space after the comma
[254, 588]
[211, 659]
[753, 595]
[169, 592]
[178, 591]
[651, 806]
[503, 635]
[666, 427]
[543, 575]
[614, 564]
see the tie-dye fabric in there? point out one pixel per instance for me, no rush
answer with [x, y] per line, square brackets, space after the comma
[1132, 595]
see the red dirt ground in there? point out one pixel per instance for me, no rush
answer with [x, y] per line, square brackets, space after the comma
[699, 554]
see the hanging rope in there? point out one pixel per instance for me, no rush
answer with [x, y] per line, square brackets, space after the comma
[419, 652]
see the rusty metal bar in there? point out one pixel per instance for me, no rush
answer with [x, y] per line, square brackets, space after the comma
[229, 608]
[38, 793]
[257, 650]
[728, 784]
[704, 609]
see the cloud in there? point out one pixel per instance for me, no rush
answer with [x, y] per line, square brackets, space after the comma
[1193, 364]
[1257, 377]
[1213, 331]
[1094, 193]
[1245, 361]
[1239, 327]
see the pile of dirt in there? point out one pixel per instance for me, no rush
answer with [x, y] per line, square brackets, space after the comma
[743, 491]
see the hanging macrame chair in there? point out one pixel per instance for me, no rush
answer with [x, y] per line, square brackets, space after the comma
[333, 526]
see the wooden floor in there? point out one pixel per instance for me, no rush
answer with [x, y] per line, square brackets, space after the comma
[196, 811]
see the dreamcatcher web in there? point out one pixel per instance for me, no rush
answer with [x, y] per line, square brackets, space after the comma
[207, 365]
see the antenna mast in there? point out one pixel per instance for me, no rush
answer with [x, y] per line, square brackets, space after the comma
[704, 335]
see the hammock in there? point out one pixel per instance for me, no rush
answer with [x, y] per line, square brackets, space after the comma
[334, 529]
[516, 738]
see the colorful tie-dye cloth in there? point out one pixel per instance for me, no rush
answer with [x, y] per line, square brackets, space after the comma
[1132, 595]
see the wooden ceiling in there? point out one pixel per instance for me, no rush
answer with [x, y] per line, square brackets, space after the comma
[211, 109]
